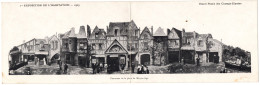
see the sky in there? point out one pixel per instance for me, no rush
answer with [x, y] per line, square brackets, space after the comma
[235, 25]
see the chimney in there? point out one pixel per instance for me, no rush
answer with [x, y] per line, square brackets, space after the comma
[168, 31]
[82, 32]
[183, 31]
[88, 31]
[152, 30]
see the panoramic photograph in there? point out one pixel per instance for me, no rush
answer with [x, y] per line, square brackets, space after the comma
[126, 49]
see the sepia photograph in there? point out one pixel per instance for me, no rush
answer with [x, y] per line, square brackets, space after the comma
[130, 41]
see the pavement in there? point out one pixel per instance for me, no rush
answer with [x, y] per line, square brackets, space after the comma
[166, 69]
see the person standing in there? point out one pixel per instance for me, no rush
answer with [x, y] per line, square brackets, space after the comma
[142, 69]
[65, 68]
[147, 70]
[198, 61]
[133, 67]
[139, 69]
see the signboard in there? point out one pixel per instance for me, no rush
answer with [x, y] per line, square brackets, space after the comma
[122, 60]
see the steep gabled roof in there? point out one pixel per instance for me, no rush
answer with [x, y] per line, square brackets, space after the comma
[99, 31]
[159, 32]
[66, 34]
[72, 33]
[146, 30]
[53, 36]
[205, 35]
[124, 27]
[177, 31]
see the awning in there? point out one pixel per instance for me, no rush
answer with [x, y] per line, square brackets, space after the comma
[187, 48]
[113, 55]
[41, 53]
[100, 55]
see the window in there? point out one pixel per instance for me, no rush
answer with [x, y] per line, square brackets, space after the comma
[200, 43]
[96, 35]
[100, 46]
[176, 42]
[93, 46]
[66, 45]
[86, 46]
[116, 30]
[41, 44]
[52, 44]
[135, 46]
[145, 36]
[136, 32]
[211, 44]
[81, 46]
[146, 45]
[56, 45]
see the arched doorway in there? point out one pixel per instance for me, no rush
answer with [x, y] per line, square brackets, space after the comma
[55, 57]
[145, 59]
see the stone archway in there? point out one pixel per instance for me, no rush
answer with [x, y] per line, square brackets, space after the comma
[54, 58]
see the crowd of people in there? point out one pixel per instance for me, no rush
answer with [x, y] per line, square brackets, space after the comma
[142, 69]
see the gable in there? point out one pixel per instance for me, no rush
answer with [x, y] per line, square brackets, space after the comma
[54, 37]
[101, 34]
[116, 47]
[146, 33]
[173, 35]
[159, 32]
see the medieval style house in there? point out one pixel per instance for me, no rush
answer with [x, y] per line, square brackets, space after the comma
[201, 47]
[188, 47]
[82, 47]
[145, 53]
[54, 51]
[215, 50]
[160, 47]
[97, 40]
[122, 42]
[120, 47]
[69, 47]
[35, 51]
[174, 45]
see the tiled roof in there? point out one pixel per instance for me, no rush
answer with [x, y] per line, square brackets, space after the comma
[66, 34]
[159, 32]
[123, 27]
[72, 33]
[146, 29]
[177, 31]
[101, 33]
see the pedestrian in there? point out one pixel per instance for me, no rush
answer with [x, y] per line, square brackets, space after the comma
[182, 61]
[198, 61]
[139, 69]
[147, 70]
[142, 69]
[65, 68]
[97, 67]
[94, 68]
[101, 67]
[133, 67]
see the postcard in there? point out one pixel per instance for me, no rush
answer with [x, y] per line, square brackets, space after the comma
[129, 42]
